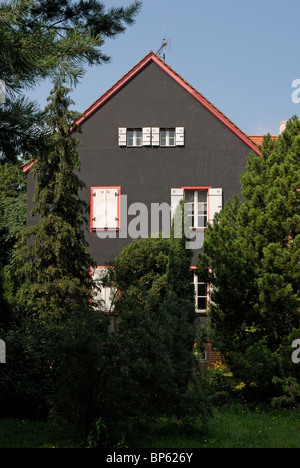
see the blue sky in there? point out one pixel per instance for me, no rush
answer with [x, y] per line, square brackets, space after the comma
[241, 55]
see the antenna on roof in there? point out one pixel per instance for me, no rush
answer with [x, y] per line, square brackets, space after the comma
[161, 51]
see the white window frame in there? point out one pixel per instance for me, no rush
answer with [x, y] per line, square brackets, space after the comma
[137, 137]
[197, 296]
[195, 208]
[170, 139]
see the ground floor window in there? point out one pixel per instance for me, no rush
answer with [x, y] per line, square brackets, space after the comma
[104, 294]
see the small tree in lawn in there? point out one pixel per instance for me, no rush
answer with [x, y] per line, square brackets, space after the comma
[53, 258]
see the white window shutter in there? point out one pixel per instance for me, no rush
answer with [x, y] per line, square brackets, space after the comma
[179, 134]
[215, 203]
[146, 136]
[155, 136]
[176, 197]
[112, 203]
[99, 208]
[122, 136]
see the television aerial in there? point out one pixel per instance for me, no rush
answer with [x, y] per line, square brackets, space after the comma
[162, 50]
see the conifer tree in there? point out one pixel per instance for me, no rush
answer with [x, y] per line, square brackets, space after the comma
[37, 38]
[179, 306]
[52, 258]
[251, 258]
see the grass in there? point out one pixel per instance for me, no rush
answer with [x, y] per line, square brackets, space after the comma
[23, 433]
[231, 429]
[239, 428]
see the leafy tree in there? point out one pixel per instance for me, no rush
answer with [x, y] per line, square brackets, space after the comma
[156, 329]
[52, 257]
[251, 258]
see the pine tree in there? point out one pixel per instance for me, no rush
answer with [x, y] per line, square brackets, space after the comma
[52, 256]
[37, 38]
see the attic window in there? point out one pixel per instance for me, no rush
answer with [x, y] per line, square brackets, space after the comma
[134, 137]
[167, 137]
[151, 136]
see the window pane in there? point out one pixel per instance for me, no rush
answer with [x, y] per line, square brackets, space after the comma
[171, 137]
[202, 196]
[201, 303]
[163, 138]
[138, 137]
[130, 137]
[201, 289]
[189, 196]
[202, 222]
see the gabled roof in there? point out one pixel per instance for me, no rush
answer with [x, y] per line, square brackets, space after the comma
[151, 57]
[252, 141]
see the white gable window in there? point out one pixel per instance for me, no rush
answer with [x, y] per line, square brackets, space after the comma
[151, 136]
[172, 136]
[134, 137]
[167, 137]
[105, 208]
[104, 294]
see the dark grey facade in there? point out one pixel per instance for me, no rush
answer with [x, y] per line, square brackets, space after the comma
[213, 154]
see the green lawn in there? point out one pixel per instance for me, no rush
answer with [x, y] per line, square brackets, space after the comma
[22, 433]
[228, 429]
[240, 429]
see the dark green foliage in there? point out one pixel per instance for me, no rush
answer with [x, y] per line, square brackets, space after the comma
[156, 330]
[85, 15]
[85, 370]
[37, 39]
[252, 257]
[29, 377]
[52, 260]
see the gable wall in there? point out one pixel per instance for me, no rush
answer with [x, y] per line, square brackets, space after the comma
[212, 155]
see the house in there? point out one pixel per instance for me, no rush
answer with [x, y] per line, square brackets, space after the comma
[148, 142]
